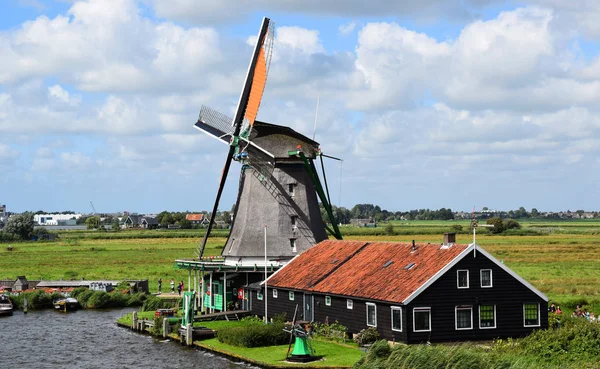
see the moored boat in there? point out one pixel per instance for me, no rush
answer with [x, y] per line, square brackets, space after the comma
[66, 304]
[6, 307]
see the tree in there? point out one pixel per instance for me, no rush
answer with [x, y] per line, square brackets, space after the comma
[20, 225]
[535, 213]
[511, 224]
[498, 225]
[92, 222]
[185, 224]
[389, 229]
[116, 226]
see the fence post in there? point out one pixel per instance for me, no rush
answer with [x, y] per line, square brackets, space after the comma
[134, 320]
[165, 327]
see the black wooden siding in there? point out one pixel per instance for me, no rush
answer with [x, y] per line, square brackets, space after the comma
[507, 293]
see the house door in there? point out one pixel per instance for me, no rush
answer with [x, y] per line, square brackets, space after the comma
[308, 307]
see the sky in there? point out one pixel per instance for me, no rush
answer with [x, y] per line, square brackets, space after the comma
[430, 104]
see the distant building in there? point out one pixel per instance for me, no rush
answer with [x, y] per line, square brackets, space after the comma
[197, 219]
[54, 219]
[3, 216]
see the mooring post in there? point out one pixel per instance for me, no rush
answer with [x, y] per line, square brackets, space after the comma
[188, 334]
[134, 323]
[165, 327]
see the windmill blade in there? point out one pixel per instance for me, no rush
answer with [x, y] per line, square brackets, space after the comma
[218, 198]
[331, 157]
[214, 124]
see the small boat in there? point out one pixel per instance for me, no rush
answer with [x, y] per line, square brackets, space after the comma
[6, 307]
[66, 304]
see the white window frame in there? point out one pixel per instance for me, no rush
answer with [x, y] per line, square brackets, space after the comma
[421, 309]
[291, 189]
[458, 278]
[275, 293]
[349, 304]
[369, 304]
[259, 295]
[456, 309]
[539, 319]
[493, 327]
[396, 308]
[291, 296]
[481, 278]
[327, 300]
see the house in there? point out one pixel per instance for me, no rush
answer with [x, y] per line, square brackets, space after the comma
[148, 223]
[367, 222]
[410, 292]
[20, 284]
[197, 219]
[140, 221]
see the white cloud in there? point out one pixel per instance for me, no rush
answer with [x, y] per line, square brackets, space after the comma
[346, 29]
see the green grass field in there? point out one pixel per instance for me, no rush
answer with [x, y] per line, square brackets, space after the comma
[562, 259]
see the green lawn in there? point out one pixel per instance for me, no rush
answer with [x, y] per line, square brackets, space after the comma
[334, 355]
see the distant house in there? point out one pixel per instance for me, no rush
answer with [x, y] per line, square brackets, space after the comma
[20, 284]
[367, 222]
[221, 224]
[197, 219]
[410, 293]
[140, 221]
[148, 223]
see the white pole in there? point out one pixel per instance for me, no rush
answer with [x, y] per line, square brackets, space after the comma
[266, 291]
[316, 115]
[474, 244]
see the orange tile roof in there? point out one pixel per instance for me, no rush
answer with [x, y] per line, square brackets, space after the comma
[360, 272]
[191, 217]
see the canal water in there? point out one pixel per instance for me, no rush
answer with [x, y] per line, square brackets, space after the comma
[91, 339]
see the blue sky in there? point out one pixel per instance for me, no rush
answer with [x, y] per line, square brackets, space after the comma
[441, 103]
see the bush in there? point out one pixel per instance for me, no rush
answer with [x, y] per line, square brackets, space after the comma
[153, 303]
[254, 335]
[335, 331]
[511, 224]
[366, 336]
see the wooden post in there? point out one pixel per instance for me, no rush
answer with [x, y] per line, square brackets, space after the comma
[188, 334]
[135, 319]
[165, 327]
[189, 280]
[224, 291]
[195, 290]
[202, 308]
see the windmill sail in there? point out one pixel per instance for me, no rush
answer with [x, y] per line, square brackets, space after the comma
[246, 111]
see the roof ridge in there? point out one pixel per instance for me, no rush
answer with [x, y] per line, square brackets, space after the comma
[339, 265]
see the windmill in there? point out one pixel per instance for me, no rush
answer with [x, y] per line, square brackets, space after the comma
[279, 184]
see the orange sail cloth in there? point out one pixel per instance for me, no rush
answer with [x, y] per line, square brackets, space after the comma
[259, 81]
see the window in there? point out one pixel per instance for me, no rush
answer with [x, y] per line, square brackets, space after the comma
[327, 300]
[259, 295]
[291, 189]
[422, 319]
[293, 244]
[396, 318]
[464, 317]
[292, 295]
[462, 278]
[294, 220]
[371, 314]
[274, 293]
[486, 278]
[349, 304]
[531, 315]
[487, 316]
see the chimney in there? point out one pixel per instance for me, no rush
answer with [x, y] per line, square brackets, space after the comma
[414, 247]
[449, 239]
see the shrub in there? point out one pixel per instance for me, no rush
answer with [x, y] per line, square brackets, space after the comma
[334, 331]
[153, 303]
[366, 336]
[254, 335]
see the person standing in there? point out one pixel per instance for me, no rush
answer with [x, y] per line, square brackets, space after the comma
[159, 284]
[172, 285]
[179, 287]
